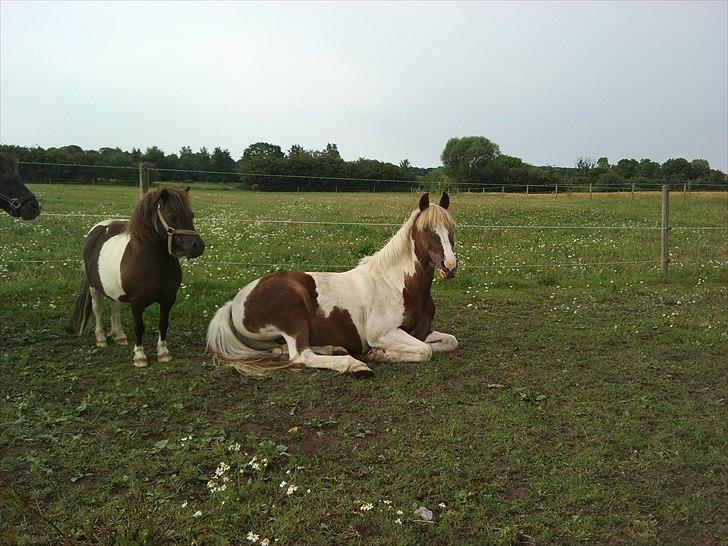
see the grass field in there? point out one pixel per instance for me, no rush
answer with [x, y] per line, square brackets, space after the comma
[587, 403]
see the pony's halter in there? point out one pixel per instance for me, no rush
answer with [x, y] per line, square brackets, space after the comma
[16, 202]
[171, 232]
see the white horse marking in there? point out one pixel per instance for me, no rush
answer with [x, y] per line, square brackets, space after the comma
[110, 265]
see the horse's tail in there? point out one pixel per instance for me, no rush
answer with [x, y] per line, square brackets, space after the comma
[80, 321]
[228, 347]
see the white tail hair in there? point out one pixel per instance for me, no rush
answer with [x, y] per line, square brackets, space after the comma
[226, 347]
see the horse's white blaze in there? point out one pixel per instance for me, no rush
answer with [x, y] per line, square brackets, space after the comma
[451, 261]
[110, 257]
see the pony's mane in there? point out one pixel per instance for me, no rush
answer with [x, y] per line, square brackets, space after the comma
[401, 242]
[144, 222]
[8, 164]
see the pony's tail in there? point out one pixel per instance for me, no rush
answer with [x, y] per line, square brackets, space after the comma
[80, 323]
[227, 347]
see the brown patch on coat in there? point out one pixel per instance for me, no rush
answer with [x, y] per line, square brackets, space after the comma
[289, 301]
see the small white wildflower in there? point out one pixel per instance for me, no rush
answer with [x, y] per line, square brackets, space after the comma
[252, 537]
[366, 507]
[442, 505]
[184, 504]
[234, 447]
[197, 514]
[288, 472]
[255, 466]
[265, 542]
[308, 490]
[398, 520]
[291, 489]
[283, 484]
[221, 469]
[399, 512]
[387, 502]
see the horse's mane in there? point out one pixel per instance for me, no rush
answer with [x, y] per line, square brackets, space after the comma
[144, 221]
[8, 165]
[401, 242]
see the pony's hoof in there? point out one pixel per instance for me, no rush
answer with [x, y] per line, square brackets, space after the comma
[339, 351]
[101, 343]
[164, 357]
[375, 354]
[361, 371]
[140, 362]
[121, 341]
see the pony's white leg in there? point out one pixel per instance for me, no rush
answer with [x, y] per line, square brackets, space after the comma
[117, 333]
[140, 359]
[398, 346]
[342, 364]
[96, 304]
[162, 351]
[441, 343]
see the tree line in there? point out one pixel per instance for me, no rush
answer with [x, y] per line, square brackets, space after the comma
[474, 163]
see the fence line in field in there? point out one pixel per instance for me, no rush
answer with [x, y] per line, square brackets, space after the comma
[465, 188]
[386, 224]
[351, 266]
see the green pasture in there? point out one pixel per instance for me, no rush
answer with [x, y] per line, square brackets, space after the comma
[586, 404]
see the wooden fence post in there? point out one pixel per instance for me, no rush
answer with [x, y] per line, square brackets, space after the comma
[590, 189]
[143, 180]
[632, 190]
[665, 251]
[526, 189]
[556, 190]
[503, 190]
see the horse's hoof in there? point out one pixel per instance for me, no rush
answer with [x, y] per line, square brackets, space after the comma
[339, 351]
[121, 341]
[361, 370]
[140, 362]
[164, 357]
[375, 354]
[101, 343]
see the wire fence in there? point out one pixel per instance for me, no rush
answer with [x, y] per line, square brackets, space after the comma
[414, 184]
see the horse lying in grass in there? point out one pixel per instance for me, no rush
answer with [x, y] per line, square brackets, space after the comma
[381, 309]
[15, 198]
[137, 261]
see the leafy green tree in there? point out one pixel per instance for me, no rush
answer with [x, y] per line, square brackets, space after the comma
[262, 150]
[470, 159]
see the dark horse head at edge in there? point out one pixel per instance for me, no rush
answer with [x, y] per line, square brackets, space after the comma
[15, 198]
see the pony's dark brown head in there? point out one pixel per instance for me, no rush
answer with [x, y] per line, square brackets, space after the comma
[175, 207]
[15, 198]
[433, 235]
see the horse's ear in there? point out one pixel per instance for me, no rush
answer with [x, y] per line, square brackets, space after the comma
[164, 195]
[424, 201]
[445, 200]
[187, 189]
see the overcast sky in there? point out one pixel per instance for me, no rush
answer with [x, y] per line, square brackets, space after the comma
[548, 82]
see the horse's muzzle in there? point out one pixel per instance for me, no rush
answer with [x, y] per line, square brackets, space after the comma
[446, 273]
[30, 209]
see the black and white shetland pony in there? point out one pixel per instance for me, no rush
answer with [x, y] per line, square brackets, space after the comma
[137, 261]
[381, 309]
[15, 198]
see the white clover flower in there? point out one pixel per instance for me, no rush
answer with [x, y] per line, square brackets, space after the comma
[387, 502]
[197, 514]
[291, 489]
[184, 504]
[366, 507]
[234, 447]
[265, 542]
[399, 512]
[442, 505]
[398, 520]
[283, 484]
[222, 468]
[255, 466]
[252, 537]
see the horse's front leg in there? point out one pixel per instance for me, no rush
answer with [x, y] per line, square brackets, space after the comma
[441, 343]
[140, 359]
[162, 350]
[398, 346]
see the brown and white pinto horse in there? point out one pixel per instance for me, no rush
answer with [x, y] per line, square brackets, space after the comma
[15, 198]
[137, 261]
[382, 308]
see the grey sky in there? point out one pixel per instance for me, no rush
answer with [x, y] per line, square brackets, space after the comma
[547, 82]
